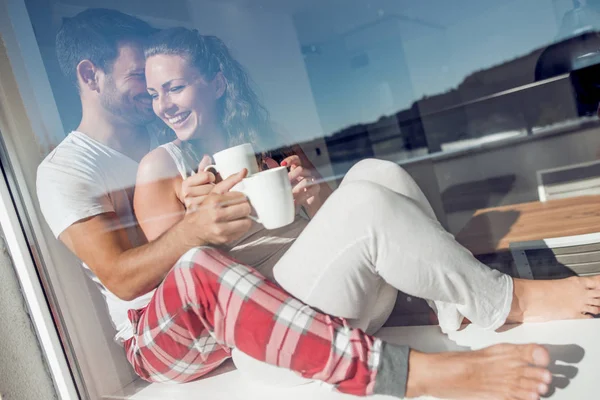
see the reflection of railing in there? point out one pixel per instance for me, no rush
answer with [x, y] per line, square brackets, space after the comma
[517, 109]
[499, 94]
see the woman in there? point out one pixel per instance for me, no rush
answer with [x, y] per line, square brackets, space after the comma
[375, 235]
[213, 112]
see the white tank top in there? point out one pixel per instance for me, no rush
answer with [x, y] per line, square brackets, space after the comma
[259, 248]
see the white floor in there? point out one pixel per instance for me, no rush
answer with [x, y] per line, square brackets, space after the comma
[573, 345]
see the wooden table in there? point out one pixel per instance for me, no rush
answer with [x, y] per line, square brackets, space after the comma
[491, 230]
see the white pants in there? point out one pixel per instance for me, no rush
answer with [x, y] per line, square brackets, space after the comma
[377, 234]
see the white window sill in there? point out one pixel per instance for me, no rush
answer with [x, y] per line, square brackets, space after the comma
[570, 343]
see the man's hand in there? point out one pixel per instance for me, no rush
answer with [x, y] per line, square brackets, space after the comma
[216, 215]
[222, 218]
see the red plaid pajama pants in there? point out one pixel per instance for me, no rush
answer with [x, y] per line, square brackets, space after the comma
[209, 304]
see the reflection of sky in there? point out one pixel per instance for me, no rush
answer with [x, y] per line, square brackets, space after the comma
[408, 49]
[419, 48]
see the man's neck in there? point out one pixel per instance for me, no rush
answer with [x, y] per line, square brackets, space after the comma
[132, 141]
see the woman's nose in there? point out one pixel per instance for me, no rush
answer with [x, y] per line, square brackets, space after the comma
[164, 105]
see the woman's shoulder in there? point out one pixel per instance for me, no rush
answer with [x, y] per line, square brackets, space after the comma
[158, 164]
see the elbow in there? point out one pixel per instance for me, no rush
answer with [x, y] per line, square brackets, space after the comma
[122, 293]
[125, 291]
[125, 295]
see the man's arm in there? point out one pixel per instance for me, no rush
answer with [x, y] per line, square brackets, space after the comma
[128, 272]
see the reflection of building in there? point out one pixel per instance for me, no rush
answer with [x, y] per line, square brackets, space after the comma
[580, 19]
[510, 97]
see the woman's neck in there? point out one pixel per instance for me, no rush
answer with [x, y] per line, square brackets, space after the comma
[210, 143]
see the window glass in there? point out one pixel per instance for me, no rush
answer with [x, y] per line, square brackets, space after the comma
[488, 105]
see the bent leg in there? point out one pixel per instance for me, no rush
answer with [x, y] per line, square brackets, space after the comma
[391, 176]
[532, 300]
[369, 231]
[209, 304]
[366, 233]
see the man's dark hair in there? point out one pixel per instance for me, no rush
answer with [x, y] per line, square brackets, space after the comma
[95, 34]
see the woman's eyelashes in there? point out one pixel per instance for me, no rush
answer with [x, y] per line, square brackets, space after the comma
[174, 89]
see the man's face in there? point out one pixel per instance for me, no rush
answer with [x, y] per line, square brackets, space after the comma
[124, 91]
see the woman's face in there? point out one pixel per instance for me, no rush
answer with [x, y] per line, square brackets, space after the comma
[181, 97]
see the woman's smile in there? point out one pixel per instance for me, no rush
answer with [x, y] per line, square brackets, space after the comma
[178, 120]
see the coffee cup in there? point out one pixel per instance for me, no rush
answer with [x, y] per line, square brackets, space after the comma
[270, 193]
[232, 160]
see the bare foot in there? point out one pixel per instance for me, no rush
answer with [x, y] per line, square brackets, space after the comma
[500, 372]
[569, 298]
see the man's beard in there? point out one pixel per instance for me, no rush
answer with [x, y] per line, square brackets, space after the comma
[119, 105]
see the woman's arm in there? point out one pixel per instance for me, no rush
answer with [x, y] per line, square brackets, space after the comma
[156, 200]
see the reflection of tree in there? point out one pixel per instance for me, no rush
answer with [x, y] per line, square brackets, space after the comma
[499, 99]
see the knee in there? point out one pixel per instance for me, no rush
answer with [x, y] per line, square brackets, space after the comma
[194, 258]
[369, 168]
[366, 197]
[205, 263]
[371, 165]
[360, 192]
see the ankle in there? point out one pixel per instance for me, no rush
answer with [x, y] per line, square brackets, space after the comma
[419, 377]
[517, 306]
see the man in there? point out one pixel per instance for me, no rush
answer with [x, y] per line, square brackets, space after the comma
[178, 307]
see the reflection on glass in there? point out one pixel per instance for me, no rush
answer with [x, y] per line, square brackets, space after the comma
[476, 99]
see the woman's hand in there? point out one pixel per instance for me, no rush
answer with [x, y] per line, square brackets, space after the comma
[304, 187]
[195, 188]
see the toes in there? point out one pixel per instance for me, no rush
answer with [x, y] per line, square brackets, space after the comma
[591, 282]
[593, 302]
[539, 375]
[532, 383]
[533, 386]
[522, 394]
[583, 315]
[593, 293]
[594, 310]
[537, 355]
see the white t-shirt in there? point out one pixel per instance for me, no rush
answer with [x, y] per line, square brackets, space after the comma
[82, 178]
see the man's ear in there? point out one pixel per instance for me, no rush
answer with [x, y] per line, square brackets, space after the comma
[220, 85]
[87, 75]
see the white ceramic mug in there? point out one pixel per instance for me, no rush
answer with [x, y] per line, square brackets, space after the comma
[232, 160]
[270, 193]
